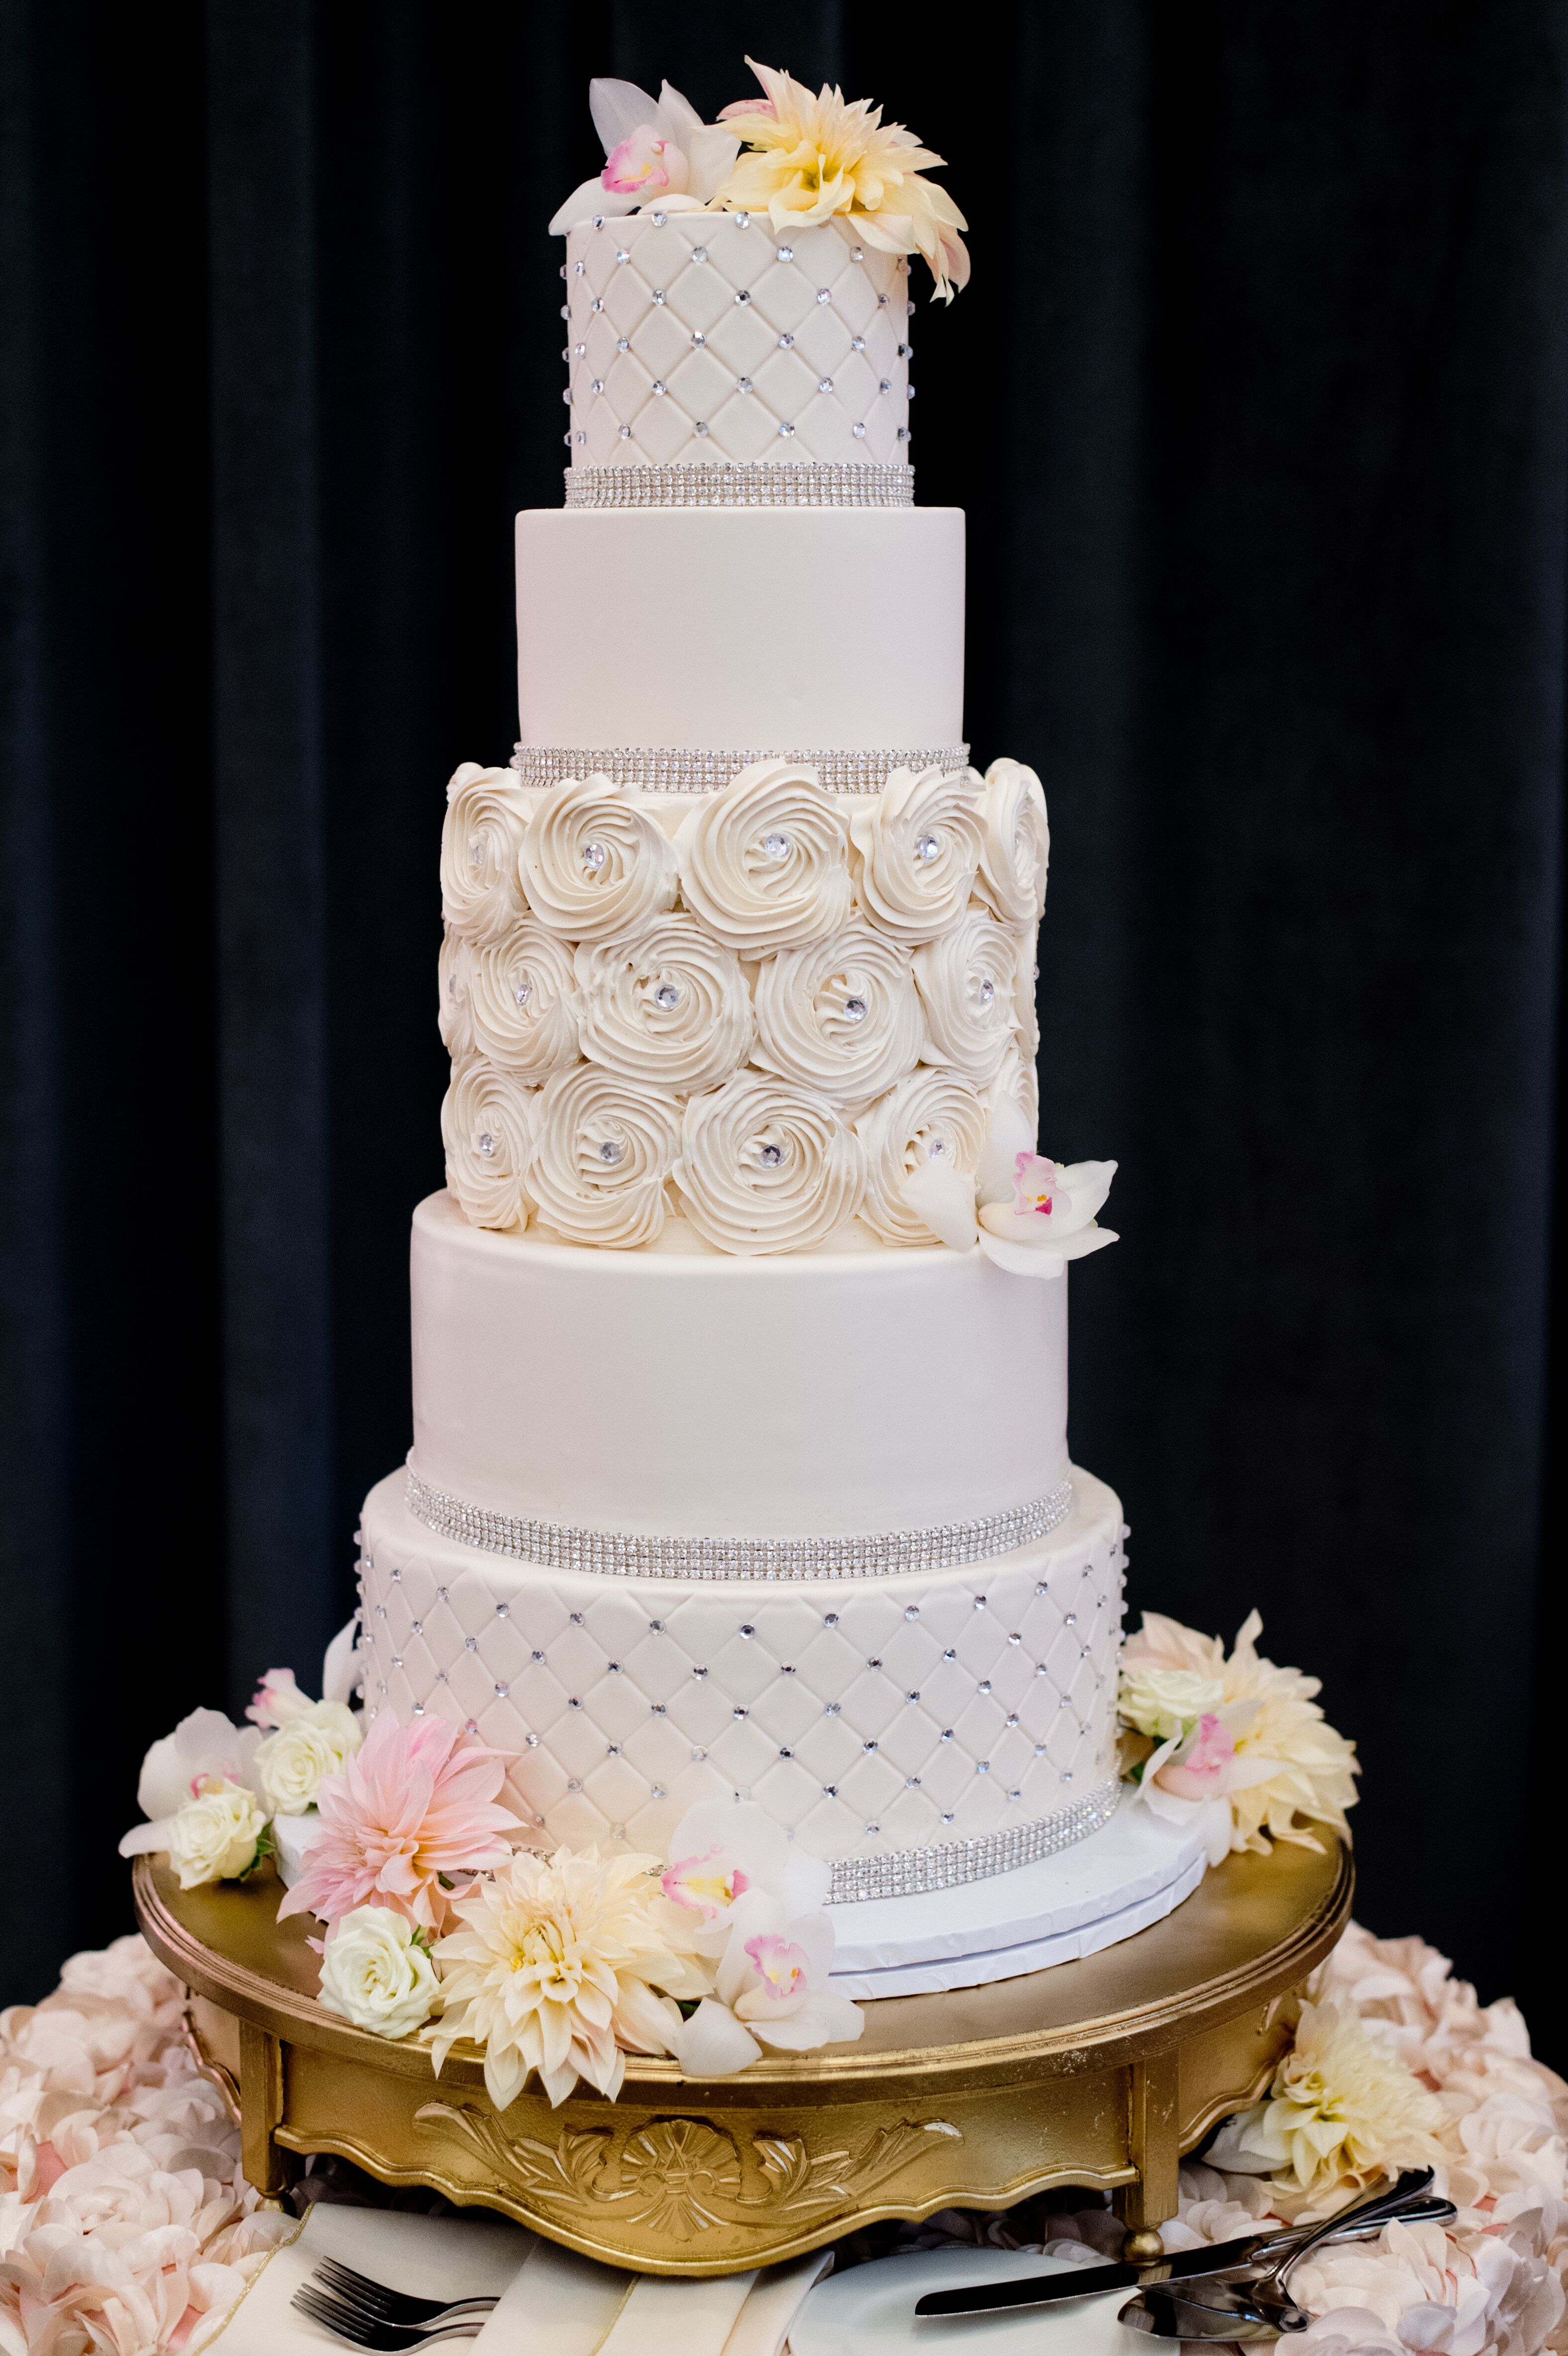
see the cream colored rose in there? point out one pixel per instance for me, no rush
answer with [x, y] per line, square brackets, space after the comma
[668, 1005]
[485, 815]
[595, 863]
[929, 1117]
[1016, 850]
[294, 1762]
[966, 978]
[454, 1012]
[919, 845]
[487, 1123]
[521, 1002]
[840, 1016]
[213, 1837]
[1161, 1702]
[1016, 1084]
[764, 864]
[766, 1166]
[374, 1973]
[603, 1149]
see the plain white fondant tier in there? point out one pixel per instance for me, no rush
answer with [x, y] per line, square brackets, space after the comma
[697, 1395]
[1133, 1872]
[790, 630]
[701, 338]
[868, 1716]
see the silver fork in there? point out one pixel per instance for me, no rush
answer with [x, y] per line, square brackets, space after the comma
[365, 2330]
[379, 2301]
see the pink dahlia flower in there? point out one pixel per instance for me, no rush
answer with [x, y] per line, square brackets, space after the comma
[417, 1803]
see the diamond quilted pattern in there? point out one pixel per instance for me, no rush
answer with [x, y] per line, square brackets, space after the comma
[865, 1715]
[791, 347]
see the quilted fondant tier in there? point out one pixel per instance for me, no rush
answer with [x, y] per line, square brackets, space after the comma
[711, 338]
[876, 1719]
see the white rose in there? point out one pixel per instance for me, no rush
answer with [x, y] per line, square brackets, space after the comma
[840, 1016]
[595, 863]
[767, 1167]
[452, 1011]
[1016, 847]
[486, 813]
[919, 844]
[487, 1121]
[293, 1763]
[930, 1118]
[213, 1837]
[668, 1005]
[374, 1973]
[765, 864]
[602, 1149]
[966, 980]
[520, 1003]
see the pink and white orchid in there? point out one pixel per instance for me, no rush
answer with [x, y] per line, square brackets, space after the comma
[1029, 1215]
[738, 1890]
[204, 1749]
[657, 152]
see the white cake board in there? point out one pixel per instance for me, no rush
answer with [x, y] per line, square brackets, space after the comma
[1118, 1882]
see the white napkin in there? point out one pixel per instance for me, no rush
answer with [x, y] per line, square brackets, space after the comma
[552, 2302]
[560, 2305]
[429, 2257]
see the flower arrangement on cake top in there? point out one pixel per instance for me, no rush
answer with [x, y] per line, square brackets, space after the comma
[1236, 1746]
[798, 156]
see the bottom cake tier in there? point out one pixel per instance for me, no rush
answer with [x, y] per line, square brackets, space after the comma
[919, 1729]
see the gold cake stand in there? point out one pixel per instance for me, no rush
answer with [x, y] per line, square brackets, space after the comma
[1101, 2074]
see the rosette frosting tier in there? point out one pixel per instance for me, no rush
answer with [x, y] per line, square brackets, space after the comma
[842, 1017]
[765, 864]
[593, 863]
[668, 1003]
[767, 1167]
[603, 1149]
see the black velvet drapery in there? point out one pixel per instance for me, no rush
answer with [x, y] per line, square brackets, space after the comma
[1257, 405]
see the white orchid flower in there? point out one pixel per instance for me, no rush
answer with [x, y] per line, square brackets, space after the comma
[772, 1989]
[725, 1851]
[205, 1748]
[1049, 1219]
[657, 152]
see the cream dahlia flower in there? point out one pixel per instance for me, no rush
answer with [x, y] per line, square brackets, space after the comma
[557, 1969]
[1283, 1759]
[1343, 2110]
[816, 157]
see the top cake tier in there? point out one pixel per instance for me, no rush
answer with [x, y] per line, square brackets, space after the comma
[716, 362]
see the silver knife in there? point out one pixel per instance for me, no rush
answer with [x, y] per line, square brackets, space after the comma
[1089, 2281]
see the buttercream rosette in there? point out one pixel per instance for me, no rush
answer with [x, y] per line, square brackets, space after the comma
[522, 1003]
[593, 863]
[487, 1116]
[967, 978]
[842, 1017]
[930, 1120]
[766, 1166]
[603, 1149]
[764, 865]
[486, 813]
[1026, 973]
[1016, 1086]
[919, 845]
[1016, 848]
[453, 1013]
[667, 1004]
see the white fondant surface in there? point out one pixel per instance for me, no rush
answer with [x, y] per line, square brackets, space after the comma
[866, 1715]
[696, 1394]
[713, 336]
[1133, 1872]
[758, 630]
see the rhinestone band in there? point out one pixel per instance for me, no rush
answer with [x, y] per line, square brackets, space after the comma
[622, 1556]
[820, 483]
[666, 769]
[912, 1872]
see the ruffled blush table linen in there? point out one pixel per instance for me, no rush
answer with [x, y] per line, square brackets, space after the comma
[126, 2228]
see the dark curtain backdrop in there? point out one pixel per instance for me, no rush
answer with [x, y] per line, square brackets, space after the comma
[1257, 405]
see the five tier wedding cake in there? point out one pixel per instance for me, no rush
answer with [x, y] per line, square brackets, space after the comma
[739, 1334]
